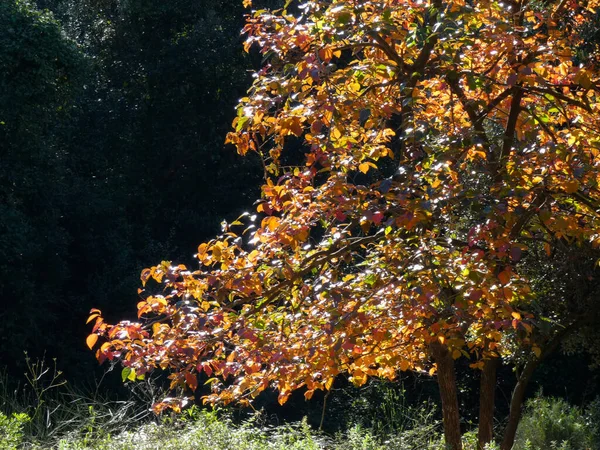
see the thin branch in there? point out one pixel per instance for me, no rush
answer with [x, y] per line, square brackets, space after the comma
[524, 219]
[494, 64]
[387, 49]
[559, 95]
[579, 196]
[509, 132]
[541, 124]
[493, 103]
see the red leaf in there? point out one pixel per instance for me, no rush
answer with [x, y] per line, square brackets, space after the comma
[191, 381]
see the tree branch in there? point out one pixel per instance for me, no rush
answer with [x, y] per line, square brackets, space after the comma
[509, 132]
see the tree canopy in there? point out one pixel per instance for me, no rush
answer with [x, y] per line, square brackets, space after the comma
[415, 154]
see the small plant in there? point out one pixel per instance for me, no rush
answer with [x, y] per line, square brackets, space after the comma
[41, 379]
[11, 430]
[358, 438]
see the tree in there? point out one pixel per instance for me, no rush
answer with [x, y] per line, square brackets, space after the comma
[442, 143]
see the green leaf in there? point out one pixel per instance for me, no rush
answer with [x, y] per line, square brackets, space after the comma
[370, 279]
[127, 374]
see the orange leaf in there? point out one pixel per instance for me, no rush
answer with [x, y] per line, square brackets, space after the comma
[92, 317]
[91, 340]
[504, 277]
[571, 186]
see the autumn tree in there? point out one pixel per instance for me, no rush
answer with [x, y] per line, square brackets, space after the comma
[415, 154]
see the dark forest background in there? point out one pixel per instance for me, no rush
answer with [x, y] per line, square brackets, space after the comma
[113, 115]
[112, 121]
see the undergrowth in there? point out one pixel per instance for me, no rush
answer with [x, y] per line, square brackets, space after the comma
[44, 409]
[46, 413]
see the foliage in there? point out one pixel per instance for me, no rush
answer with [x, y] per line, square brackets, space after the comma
[442, 141]
[553, 423]
[11, 430]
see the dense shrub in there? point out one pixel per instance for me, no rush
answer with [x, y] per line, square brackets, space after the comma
[551, 423]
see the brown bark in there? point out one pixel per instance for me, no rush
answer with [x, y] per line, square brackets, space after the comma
[487, 395]
[447, 383]
[518, 396]
[516, 403]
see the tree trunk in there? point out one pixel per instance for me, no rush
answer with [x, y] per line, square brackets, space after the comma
[487, 395]
[516, 403]
[448, 392]
[518, 396]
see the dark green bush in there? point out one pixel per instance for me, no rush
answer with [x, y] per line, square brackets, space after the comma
[552, 423]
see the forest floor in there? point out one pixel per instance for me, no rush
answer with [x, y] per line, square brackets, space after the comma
[548, 424]
[51, 415]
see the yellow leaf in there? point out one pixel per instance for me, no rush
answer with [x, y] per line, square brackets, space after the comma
[270, 222]
[91, 340]
[329, 383]
[92, 317]
[456, 354]
[477, 365]
[354, 87]
[404, 365]
[537, 180]
[516, 315]
[364, 167]
[583, 78]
